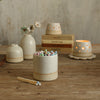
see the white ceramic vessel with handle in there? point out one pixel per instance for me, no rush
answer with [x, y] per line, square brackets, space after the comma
[53, 29]
[45, 67]
[28, 45]
[14, 54]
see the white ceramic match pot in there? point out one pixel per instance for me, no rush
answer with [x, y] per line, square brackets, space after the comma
[45, 67]
[28, 45]
[82, 48]
[53, 29]
[14, 54]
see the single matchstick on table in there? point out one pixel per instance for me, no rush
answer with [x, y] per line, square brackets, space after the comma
[29, 81]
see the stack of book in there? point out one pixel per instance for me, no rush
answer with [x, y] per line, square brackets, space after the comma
[61, 43]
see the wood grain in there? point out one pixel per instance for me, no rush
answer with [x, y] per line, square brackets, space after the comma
[78, 80]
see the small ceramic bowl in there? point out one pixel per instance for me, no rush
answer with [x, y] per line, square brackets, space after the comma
[82, 48]
[53, 29]
[14, 54]
[45, 68]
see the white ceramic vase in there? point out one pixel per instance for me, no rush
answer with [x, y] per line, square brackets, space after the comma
[14, 54]
[45, 68]
[28, 45]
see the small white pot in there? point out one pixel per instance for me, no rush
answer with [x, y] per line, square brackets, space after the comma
[14, 54]
[28, 45]
[82, 48]
[53, 29]
[45, 67]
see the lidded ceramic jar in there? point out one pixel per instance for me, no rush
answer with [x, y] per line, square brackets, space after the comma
[45, 68]
[28, 45]
[82, 48]
[14, 53]
[53, 29]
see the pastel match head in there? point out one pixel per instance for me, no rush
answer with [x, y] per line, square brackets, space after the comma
[38, 83]
[45, 49]
[42, 54]
[56, 52]
[51, 51]
[42, 51]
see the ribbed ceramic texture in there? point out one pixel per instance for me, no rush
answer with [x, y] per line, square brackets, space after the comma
[14, 54]
[45, 68]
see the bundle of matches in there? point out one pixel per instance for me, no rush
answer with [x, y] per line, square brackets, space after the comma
[37, 83]
[46, 53]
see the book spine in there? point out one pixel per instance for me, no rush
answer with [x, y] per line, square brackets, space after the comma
[58, 37]
[57, 41]
[57, 45]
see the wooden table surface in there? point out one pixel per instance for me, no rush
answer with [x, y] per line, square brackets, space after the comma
[78, 80]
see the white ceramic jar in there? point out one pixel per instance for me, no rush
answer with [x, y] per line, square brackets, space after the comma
[28, 45]
[53, 29]
[82, 48]
[14, 54]
[45, 68]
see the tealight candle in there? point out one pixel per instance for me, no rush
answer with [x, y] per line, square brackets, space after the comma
[82, 48]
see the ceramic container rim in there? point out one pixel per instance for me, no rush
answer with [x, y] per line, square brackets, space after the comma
[46, 56]
[82, 41]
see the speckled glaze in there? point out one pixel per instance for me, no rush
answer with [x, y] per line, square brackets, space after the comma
[14, 54]
[45, 68]
[28, 45]
[53, 29]
[82, 48]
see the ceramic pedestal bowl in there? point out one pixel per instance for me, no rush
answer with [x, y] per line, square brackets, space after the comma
[53, 29]
[82, 48]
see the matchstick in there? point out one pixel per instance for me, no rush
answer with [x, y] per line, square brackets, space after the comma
[29, 81]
